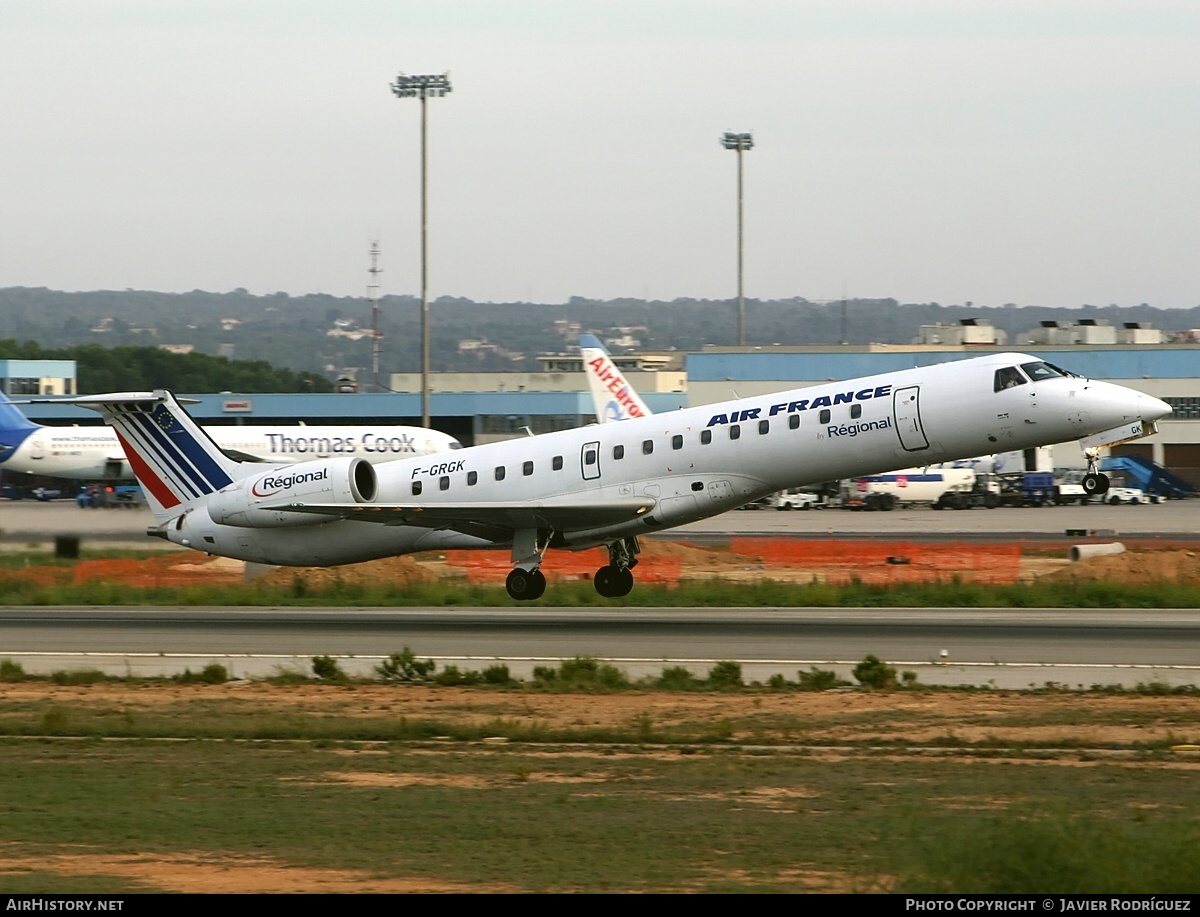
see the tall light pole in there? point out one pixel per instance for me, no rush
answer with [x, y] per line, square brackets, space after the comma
[423, 86]
[739, 142]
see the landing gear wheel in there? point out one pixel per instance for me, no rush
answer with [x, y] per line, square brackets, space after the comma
[624, 582]
[525, 584]
[1095, 484]
[613, 582]
[606, 581]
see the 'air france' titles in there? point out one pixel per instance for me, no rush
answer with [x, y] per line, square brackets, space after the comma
[808, 404]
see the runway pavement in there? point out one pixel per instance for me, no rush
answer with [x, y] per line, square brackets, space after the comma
[998, 647]
[1008, 650]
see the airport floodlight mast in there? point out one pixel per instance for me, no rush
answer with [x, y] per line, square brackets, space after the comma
[739, 142]
[373, 299]
[423, 86]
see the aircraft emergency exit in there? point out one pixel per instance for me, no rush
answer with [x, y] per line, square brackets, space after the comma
[94, 454]
[605, 484]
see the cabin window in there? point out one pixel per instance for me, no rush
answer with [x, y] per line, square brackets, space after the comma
[472, 478]
[589, 457]
[618, 452]
[735, 432]
[647, 446]
[499, 472]
[444, 482]
[677, 441]
[855, 411]
[705, 437]
[1008, 377]
[825, 415]
[527, 469]
[556, 463]
[794, 422]
[763, 426]
[416, 488]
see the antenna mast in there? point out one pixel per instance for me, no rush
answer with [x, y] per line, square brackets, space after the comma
[373, 299]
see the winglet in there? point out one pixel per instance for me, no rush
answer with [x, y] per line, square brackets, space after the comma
[614, 397]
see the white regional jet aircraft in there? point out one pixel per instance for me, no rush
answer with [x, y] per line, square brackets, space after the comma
[604, 484]
[93, 453]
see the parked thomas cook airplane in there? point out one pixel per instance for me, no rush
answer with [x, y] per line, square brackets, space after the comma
[606, 484]
[93, 453]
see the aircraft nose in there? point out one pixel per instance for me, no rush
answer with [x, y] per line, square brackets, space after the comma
[1154, 408]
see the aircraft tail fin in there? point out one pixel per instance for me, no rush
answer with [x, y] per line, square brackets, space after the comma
[12, 419]
[614, 397]
[175, 461]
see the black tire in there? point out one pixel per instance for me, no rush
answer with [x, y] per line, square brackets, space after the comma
[624, 584]
[525, 585]
[605, 581]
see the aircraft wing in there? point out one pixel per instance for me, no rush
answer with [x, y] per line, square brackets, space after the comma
[474, 518]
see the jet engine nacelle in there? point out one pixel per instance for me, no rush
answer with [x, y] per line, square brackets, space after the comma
[340, 480]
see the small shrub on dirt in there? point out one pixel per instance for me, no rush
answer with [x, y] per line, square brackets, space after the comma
[676, 678]
[78, 677]
[212, 674]
[326, 668]
[405, 666]
[875, 673]
[819, 680]
[545, 675]
[726, 674]
[451, 676]
[583, 673]
[11, 671]
[497, 675]
[588, 672]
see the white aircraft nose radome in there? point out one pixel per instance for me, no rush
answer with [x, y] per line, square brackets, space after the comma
[1154, 408]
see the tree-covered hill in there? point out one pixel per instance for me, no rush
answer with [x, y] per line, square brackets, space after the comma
[134, 368]
[323, 334]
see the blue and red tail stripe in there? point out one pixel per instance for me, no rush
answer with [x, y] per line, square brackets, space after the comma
[173, 454]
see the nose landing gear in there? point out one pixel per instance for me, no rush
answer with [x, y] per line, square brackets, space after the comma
[1094, 483]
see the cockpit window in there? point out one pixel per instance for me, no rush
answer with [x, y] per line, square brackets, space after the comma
[1065, 372]
[1039, 371]
[455, 444]
[1008, 377]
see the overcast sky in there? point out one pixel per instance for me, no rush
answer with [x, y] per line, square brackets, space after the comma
[994, 151]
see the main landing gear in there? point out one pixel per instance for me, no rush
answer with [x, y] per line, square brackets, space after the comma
[527, 582]
[1094, 483]
[616, 579]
